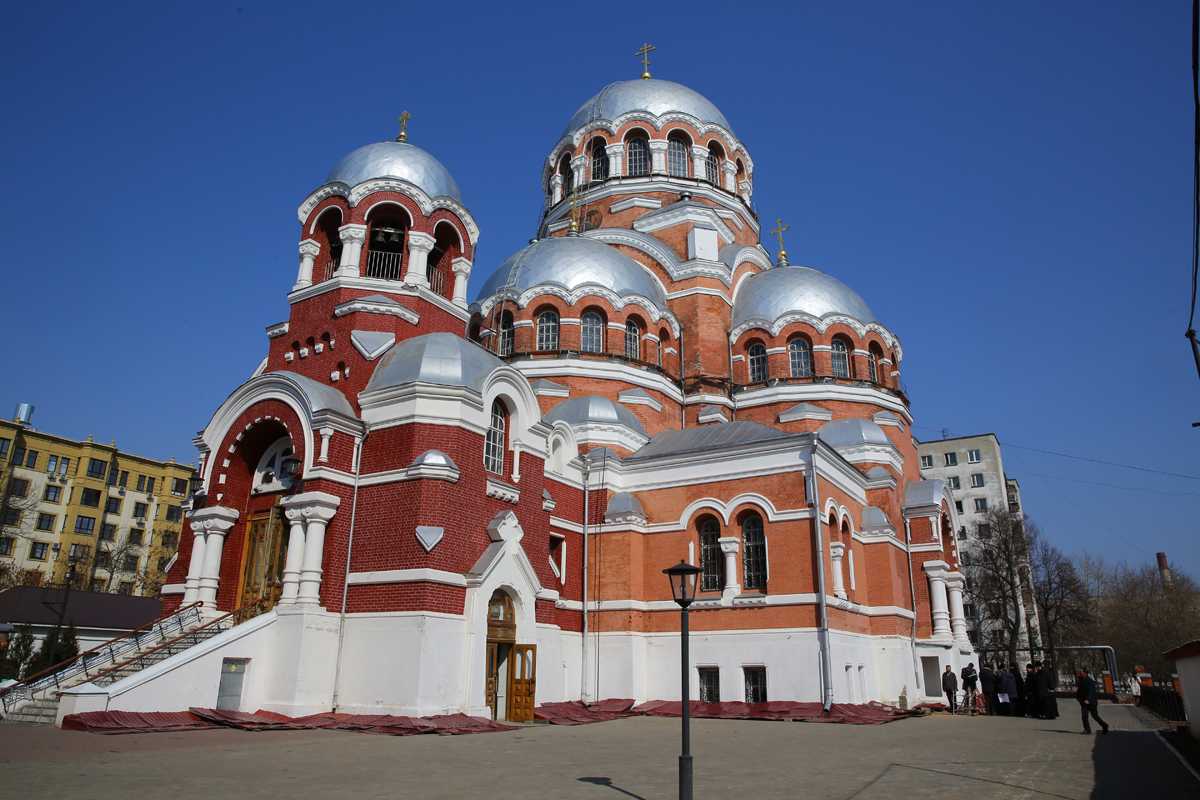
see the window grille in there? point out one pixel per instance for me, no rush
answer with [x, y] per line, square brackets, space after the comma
[633, 341]
[756, 684]
[568, 175]
[758, 362]
[547, 331]
[599, 161]
[872, 367]
[638, 152]
[493, 448]
[712, 562]
[506, 334]
[800, 355]
[710, 684]
[592, 331]
[678, 155]
[754, 552]
[841, 359]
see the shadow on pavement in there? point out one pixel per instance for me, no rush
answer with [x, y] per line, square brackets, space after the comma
[1128, 762]
[604, 781]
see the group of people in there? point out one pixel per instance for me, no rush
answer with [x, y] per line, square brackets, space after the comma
[1008, 692]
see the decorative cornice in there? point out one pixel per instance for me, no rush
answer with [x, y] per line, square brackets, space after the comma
[682, 214]
[821, 324]
[502, 491]
[356, 194]
[390, 309]
[634, 202]
[276, 330]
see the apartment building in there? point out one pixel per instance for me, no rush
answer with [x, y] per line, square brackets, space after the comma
[109, 518]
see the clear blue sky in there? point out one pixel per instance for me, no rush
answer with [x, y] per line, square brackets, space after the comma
[1008, 185]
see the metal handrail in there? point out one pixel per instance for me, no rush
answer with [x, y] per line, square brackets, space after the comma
[85, 662]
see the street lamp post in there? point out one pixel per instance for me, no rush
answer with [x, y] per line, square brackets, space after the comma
[682, 577]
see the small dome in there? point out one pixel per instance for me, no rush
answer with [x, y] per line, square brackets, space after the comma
[570, 262]
[652, 95]
[768, 295]
[852, 433]
[399, 160]
[433, 458]
[623, 505]
[439, 358]
[593, 410]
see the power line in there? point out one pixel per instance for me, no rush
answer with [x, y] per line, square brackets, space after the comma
[1191, 331]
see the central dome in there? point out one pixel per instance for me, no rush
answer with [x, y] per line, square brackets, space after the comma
[571, 262]
[651, 95]
[400, 160]
[768, 295]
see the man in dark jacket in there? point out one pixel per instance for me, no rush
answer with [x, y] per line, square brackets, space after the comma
[1086, 694]
[1033, 689]
[970, 684]
[1049, 683]
[950, 687]
[1007, 681]
[987, 681]
[1018, 699]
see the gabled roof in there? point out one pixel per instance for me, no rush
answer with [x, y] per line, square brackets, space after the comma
[708, 437]
[34, 605]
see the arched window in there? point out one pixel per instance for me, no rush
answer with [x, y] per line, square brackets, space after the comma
[874, 356]
[841, 358]
[446, 248]
[547, 330]
[679, 154]
[800, 356]
[633, 340]
[386, 239]
[592, 332]
[664, 341]
[637, 153]
[505, 344]
[713, 164]
[273, 473]
[756, 354]
[330, 239]
[739, 179]
[568, 175]
[754, 553]
[599, 155]
[712, 562]
[493, 446]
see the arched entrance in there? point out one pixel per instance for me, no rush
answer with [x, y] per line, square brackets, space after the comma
[265, 545]
[510, 668]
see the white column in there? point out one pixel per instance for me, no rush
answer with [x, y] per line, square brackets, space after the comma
[308, 254]
[745, 188]
[315, 509]
[836, 551]
[419, 245]
[326, 435]
[958, 618]
[294, 557]
[616, 159]
[191, 591]
[556, 189]
[699, 159]
[352, 237]
[462, 274]
[730, 175]
[938, 601]
[216, 522]
[578, 167]
[658, 156]
[733, 587]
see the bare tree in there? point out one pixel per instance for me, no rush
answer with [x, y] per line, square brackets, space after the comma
[1060, 593]
[18, 513]
[998, 568]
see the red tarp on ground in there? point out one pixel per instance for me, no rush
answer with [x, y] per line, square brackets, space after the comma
[577, 713]
[781, 710]
[135, 722]
[201, 718]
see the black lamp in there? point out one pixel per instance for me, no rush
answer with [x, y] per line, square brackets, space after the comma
[683, 582]
[682, 577]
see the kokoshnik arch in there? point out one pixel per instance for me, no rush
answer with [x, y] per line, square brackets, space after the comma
[440, 506]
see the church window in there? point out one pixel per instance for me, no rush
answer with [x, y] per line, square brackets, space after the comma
[505, 344]
[664, 340]
[637, 152]
[633, 340]
[800, 356]
[757, 354]
[756, 684]
[493, 447]
[274, 470]
[712, 562]
[592, 331]
[446, 248]
[874, 356]
[599, 153]
[754, 552]
[712, 164]
[679, 154]
[387, 235]
[841, 358]
[330, 240]
[568, 176]
[710, 684]
[547, 330]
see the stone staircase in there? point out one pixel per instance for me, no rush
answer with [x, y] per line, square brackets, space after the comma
[41, 712]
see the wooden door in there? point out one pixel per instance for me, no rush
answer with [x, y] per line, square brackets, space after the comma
[522, 682]
[266, 544]
[493, 669]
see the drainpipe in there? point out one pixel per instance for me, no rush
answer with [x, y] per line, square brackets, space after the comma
[912, 594]
[337, 669]
[583, 676]
[822, 609]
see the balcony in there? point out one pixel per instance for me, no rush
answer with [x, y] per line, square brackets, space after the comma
[384, 264]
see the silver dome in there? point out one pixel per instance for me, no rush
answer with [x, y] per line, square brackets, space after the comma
[653, 95]
[439, 358]
[433, 458]
[571, 262]
[593, 409]
[396, 160]
[770, 294]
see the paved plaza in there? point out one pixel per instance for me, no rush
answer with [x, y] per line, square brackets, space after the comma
[938, 756]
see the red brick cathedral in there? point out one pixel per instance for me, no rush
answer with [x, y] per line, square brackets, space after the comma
[421, 504]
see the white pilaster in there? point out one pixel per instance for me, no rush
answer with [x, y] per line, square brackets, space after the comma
[958, 618]
[308, 254]
[216, 522]
[837, 551]
[315, 509]
[938, 600]
[352, 237]
[578, 165]
[730, 175]
[733, 587]
[419, 245]
[616, 159]
[462, 274]
[191, 590]
[658, 156]
[699, 159]
[556, 188]
[295, 556]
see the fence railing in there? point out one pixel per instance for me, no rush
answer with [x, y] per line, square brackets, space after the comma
[92, 662]
[382, 264]
[1166, 703]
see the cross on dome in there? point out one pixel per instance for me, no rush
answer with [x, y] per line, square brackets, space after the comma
[644, 51]
[779, 230]
[403, 119]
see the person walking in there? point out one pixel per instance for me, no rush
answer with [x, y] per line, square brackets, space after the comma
[970, 684]
[1049, 677]
[1007, 698]
[1086, 694]
[1033, 690]
[987, 682]
[950, 687]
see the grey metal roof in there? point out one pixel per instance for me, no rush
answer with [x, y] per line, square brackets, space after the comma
[874, 518]
[396, 160]
[434, 458]
[923, 493]
[851, 433]
[708, 437]
[571, 262]
[321, 396]
[549, 385]
[438, 358]
[593, 409]
[805, 411]
[878, 473]
[635, 392]
[768, 295]
[623, 504]
[656, 96]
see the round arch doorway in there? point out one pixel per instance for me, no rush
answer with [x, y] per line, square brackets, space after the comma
[511, 667]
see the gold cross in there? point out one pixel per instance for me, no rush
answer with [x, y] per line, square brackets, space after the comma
[404, 118]
[644, 51]
[779, 230]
